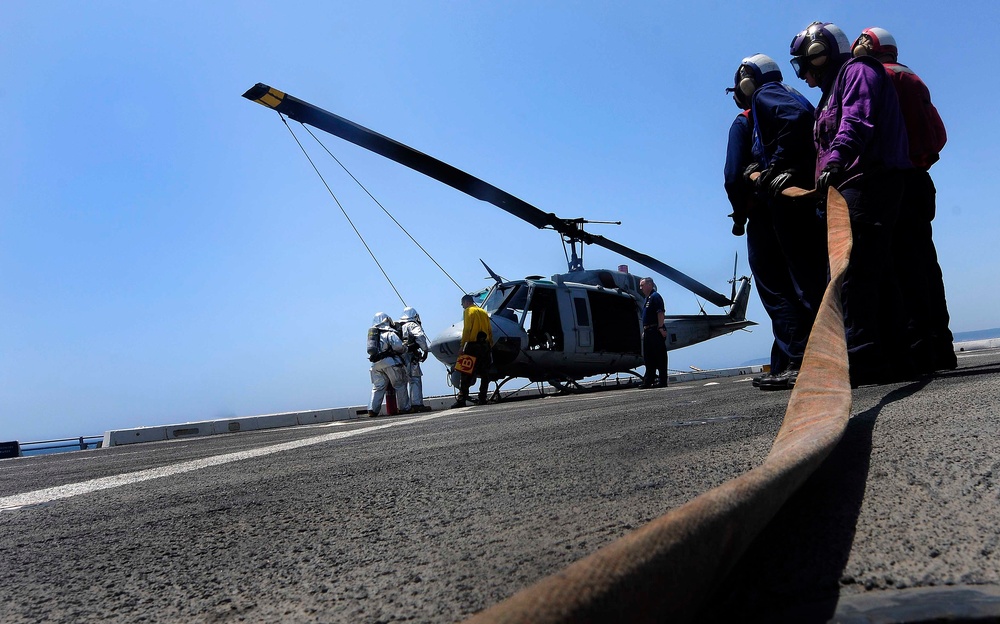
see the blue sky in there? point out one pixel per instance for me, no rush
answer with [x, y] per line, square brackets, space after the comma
[168, 255]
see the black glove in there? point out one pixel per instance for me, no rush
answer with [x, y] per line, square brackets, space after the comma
[753, 167]
[412, 347]
[830, 176]
[773, 182]
[739, 224]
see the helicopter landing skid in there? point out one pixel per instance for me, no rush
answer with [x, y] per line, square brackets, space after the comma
[566, 386]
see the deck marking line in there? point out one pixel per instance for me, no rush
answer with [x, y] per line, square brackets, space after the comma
[38, 497]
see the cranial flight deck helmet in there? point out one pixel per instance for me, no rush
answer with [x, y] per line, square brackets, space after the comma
[409, 314]
[753, 73]
[816, 45]
[875, 41]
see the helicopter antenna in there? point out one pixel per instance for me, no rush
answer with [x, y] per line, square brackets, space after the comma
[733, 281]
[497, 278]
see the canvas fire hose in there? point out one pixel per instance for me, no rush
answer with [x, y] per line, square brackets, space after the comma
[665, 570]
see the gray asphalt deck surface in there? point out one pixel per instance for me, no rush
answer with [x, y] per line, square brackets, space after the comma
[434, 520]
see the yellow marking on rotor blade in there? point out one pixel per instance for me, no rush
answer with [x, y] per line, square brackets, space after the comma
[272, 98]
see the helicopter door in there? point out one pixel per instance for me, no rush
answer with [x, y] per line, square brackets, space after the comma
[616, 323]
[545, 332]
[584, 329]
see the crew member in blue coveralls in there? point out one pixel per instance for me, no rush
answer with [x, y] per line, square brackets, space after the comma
[917, 270]
[862, 150]
[654, 335]
[786, 243]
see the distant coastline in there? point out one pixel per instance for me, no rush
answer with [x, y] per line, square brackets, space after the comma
[980, 334]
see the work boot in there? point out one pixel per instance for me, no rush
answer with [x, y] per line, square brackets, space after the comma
[927, 359]
[458, 403]
[784, 380]
[372, 414]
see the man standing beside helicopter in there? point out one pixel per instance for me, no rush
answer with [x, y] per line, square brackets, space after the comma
[477, 341]
[654, 335]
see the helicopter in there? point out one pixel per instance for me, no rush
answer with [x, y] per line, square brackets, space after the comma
[559, 329]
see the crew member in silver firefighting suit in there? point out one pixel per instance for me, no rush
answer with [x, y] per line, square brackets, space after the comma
[417, 348]
[387, 367]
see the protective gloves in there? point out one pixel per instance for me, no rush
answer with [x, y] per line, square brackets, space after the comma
[739, 224]
[830, 176]
[772, 181]
[752, 168]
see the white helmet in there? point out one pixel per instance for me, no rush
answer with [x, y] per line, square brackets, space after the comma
[409, 314]
[876, 41]
[381, 320]
[753, 73]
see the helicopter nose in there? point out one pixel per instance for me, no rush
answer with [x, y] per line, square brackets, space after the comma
[447, 344]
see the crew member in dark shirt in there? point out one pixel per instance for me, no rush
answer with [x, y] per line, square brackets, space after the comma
[654, 335]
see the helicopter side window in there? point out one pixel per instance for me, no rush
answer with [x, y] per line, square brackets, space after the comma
[582, 316]
[616, 324]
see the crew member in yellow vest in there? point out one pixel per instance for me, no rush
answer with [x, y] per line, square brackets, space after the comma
[477, 341]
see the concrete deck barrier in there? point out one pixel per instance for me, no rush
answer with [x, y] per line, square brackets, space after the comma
[134, 436]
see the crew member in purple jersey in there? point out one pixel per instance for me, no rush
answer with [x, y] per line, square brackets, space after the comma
[862, 150]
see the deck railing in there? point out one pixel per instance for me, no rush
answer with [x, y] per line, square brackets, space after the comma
[80, 443]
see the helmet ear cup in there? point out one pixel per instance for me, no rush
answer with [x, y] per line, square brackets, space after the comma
[747, 86]
[817, 53]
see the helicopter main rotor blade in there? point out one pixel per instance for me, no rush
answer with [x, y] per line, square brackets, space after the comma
[665, 270]
[336, 125]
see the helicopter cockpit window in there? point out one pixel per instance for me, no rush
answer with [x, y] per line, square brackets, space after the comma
[508, 301]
